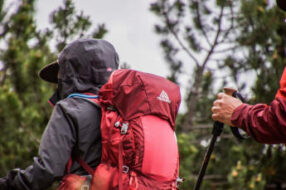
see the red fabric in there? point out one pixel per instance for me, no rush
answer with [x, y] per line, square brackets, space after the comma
[85, 166]
[73, 182]
[82, 164]
[135, 93]
[149, 105]
[106, 177]
[281, 93]
[69, 164]
[267, 124]
[160, 148]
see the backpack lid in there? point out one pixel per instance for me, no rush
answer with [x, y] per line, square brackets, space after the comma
[135, 93]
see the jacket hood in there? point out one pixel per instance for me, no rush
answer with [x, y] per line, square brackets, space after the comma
[85, 65]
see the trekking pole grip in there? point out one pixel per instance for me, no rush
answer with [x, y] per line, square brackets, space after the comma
[235, 130]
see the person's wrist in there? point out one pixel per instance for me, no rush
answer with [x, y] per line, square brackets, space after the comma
[236, 115]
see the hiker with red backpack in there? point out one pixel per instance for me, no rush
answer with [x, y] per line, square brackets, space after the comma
[110, 129]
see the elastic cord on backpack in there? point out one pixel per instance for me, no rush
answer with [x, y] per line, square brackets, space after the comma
[83, 96]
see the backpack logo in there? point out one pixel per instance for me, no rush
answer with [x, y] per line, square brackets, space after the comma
[164, 97]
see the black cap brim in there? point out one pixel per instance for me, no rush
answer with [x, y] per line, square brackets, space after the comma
[49, 73]
[281, 4]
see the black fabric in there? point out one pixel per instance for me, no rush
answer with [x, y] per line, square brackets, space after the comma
[85, 65]
[3, 183]
[55, 98]
[50, 72]
[74, 127]
[282, 4]
[83, 60]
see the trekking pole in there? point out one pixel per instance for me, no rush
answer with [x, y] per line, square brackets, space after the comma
[217, 130]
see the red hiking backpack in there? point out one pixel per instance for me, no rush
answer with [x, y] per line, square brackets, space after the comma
[139, 147]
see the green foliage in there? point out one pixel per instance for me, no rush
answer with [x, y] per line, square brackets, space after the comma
[68, 24]
[260, 34]
[23, 113]
[227, 42]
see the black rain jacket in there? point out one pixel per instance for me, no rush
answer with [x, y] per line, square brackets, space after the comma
[74, 126]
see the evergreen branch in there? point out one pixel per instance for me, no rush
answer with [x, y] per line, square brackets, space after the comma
[215, 43]
[170, 28]
[38, 98]
[4, 76]
[200, 21]
[35, 139]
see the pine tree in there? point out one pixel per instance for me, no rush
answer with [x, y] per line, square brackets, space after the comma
[201, 33]
[225, 41]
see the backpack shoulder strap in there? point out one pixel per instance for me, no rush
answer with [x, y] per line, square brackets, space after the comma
[81, 162]
[94, 99]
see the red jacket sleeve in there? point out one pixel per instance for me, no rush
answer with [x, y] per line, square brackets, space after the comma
[267, 124]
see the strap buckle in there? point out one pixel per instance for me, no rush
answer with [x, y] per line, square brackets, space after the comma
[124, 128]
[179, 181]
[111, 108]
[125, 169]
[117, 124]
[84, 187]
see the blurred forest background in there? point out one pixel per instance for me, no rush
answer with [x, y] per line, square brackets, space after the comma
[223, 42]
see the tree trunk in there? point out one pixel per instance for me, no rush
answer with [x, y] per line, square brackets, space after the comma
[192, 100]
